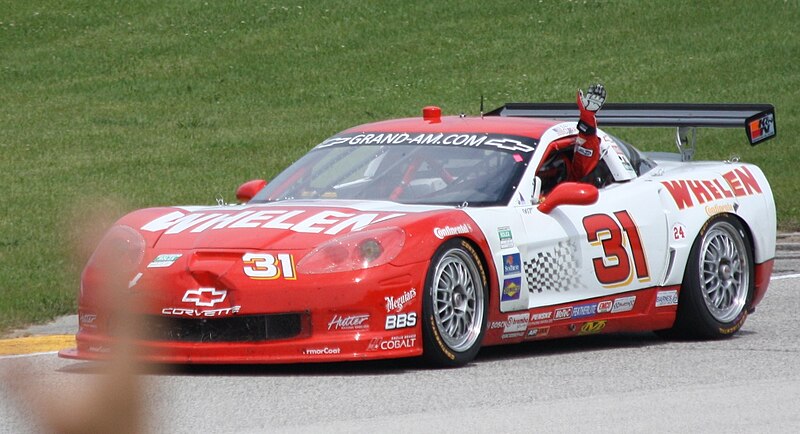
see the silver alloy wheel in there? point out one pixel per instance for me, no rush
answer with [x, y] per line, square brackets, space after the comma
[458, 300]
[724, 272]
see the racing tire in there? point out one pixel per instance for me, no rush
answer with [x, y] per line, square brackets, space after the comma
[454, 306]
[719, 282]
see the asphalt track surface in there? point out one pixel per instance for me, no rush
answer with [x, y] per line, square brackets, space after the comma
[606, 383]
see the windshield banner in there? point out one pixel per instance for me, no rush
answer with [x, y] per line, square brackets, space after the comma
[506, 143]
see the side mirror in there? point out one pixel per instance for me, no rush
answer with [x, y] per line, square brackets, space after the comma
[246, 191]
[569, 193]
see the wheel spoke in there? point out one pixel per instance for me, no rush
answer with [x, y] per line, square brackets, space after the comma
[459, 326]
[452, 326]
[736, 267]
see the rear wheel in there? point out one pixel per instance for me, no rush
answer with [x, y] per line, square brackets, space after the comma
[718, 283]
[454, 305]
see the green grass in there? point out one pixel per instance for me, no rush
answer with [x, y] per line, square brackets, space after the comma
[120, 105]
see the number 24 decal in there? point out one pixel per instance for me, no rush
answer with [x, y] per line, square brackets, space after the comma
[616, 268]
[263, 266]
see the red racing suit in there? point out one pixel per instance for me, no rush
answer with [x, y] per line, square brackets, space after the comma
[587, 145]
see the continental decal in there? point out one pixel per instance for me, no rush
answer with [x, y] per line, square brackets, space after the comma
[312, 222]
[734, 328]
[712, 210]
[738, 182]
[438, 338]
[477, 259]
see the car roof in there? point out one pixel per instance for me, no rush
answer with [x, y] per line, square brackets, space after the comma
[525, 127]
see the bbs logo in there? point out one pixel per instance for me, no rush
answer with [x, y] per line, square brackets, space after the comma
[401, 320]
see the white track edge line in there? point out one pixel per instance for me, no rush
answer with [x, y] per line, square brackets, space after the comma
[18, 356]
[785, 276]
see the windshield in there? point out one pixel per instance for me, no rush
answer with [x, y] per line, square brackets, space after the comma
[449, 174]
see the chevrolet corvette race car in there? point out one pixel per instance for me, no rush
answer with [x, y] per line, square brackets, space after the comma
[436, 235]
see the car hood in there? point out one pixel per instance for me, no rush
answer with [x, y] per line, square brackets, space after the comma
[282, 225]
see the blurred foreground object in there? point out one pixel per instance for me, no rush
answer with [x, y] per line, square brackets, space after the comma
[109, 402]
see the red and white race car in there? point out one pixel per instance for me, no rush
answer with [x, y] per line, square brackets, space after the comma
[435, 236]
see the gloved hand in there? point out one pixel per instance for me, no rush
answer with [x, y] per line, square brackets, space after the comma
[594, 98]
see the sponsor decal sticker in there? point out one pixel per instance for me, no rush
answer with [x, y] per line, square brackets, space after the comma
[205, 297]
[455, 139]
[401, 321]
[736, 326]
[303, 221]
[623, 304]
[87, 320]
[396, 304]
[563, 313]
[586, 152]
[539, 332]
[265, 266]
[180, 311]
[712, 210]
[735, 183]
[667, 298]
[202, 297]
[541, 318]
[321, 351]
[511, 289]
[514, 323]
[762, 128]
[506, 238]
[445, 350]
[512, 335]
[164, 260]
[678, 231]
[468, 247]
[592, 327]
[448, 231]
[556, 268]
[393, 343]
[605, 306]
[584, 310]
[511, 264]
[349, 322]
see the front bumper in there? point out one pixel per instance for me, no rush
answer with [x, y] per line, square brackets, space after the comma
[366, 346]
[325, 318]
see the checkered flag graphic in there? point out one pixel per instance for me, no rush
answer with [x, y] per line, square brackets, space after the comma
[554, 269]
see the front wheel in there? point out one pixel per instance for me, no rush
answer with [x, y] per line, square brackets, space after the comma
[454, 305]
[718, 283]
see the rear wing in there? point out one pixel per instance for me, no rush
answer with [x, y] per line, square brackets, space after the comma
[758, 120]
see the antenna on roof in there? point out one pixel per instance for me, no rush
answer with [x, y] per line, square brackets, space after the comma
[481, 105]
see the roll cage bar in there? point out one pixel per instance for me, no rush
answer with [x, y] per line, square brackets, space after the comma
[758, 120]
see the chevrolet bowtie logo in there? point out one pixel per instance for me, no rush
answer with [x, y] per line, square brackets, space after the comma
[205, 297]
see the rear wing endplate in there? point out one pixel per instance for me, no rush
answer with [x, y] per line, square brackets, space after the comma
[758, 120]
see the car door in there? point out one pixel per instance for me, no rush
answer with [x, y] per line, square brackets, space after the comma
[616, 245]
